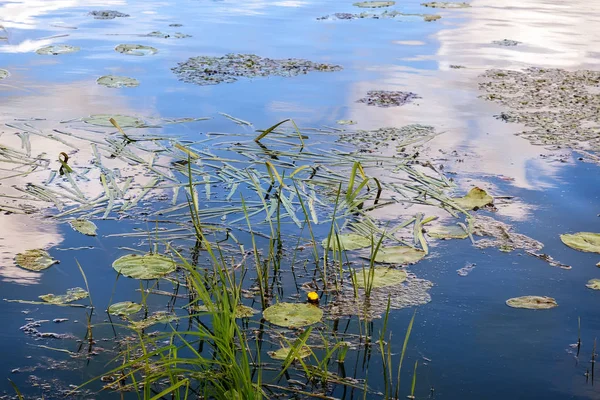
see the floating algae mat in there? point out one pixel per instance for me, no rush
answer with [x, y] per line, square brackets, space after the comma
[532, 302]
[293, 315]
[559, 108]
[124, 121]
[446, 4]
[383, 15]
[107, 14]
[84, 226]
[593, 284]
[124, 308]
[115, 81]
[136, 49]
[159, 317]
[35, 260]
[384, 137]
[148, 266]
[3, 74]
[374, 4]
[582, 241]
[57, 49]
[71, 295]
[379, 277]
[506, 42]
[503, 236]
[206, 70]
[164, 35]
[388, 98]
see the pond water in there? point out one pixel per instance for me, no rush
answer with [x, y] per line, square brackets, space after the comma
[468, 342]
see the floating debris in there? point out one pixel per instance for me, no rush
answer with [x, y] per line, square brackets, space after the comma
[3, 74]
[115, 81]
[293, 315]
[148, 266]
[176, 35]
[124, 121]
[205, 70]
[72, 295]
[348, 241]
[474, 200]
[506, 42]
[582, 241]
[446, 4]
[593, 284]
[504, 238]
[107, 14]
[388, 98]
[456, 66]
[124, 308]
[379, 277]
[60, 320]
[84, 226]
[384, 137]
[548, 259]
[346, 122]
[532, 302]
[464, 271]
[284, 352]
[374, 4]
[400, 255]
[35, 260]
[57, 49]
[136, 49]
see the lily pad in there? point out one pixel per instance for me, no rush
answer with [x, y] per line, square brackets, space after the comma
[293, 315]
[3, 74]
[71, 295]
[124, 121]
[348, 241]
[381, 277]
[160, 317]
[135, 49]
[124, 308]
[84, 226]
[476, 198]
[35, 260]
[283, 353]
[243, 311]
[148, 266]
[399, 255]
[57, 49]
[447, 232]
[108, 14]
[445, 4]
[593, 284]
[582, 241]
[532, 302]
[374, 4]
[115, 81]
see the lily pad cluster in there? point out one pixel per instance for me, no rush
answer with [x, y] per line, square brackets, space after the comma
[107, 14]
[559, 108]
[35, 260]
[206, 70]
[58, 49]
[532, 302]
[383, 137]
[388, 98]
[148, 266]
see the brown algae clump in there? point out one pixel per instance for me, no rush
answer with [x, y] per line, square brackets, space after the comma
[205, 70]
[388, 98]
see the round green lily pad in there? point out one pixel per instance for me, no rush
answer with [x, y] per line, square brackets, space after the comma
[447, 232]
[293, 315]
[57, 49]
[124, 121]
[159, 317]
[136, 49]
[116, 81]
[399, 255]
[3, 74]
[283, 353]
[35, 260]
[582, 241]
[532, 302]
[72, 295]
[476, 198]
[593, 284]
[374, 4]
[348, 241]
[84, 226]
[381, 277]
[124, 308]
[148, 266]
[243, 311]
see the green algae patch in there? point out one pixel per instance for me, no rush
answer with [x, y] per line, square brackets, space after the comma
[136, 49]
[347, 241]
[148, 266]
[374, 4]
[446, 4]
[293, 315]
[3, 74]
[593, 284]
[56, 50]
[380, 277]
[124, 121]
[84, 226]
[500, 235]
[71, 296]
[35, 260]
[160, 317]
[387, 98]
[532, 302]
[399, 255]
[284, 352]
[116, 81]
[582, 241]
[476, 198]
[206, 70]
[124, 308]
